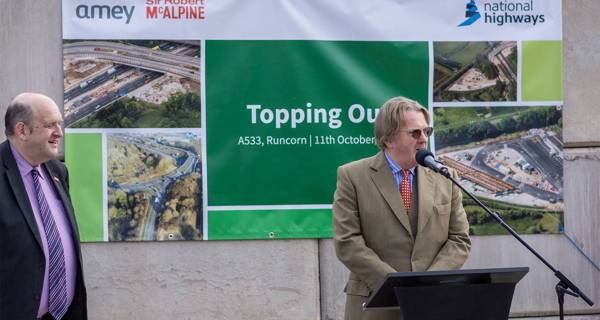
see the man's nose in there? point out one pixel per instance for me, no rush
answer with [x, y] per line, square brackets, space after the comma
[58, 131]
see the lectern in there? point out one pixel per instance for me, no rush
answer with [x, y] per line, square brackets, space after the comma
[482, 294]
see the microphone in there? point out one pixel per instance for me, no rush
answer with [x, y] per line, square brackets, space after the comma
[425, 158]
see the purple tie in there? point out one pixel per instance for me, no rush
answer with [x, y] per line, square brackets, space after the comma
[57, 279]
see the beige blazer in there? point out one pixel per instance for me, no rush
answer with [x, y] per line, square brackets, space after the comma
[372, 234]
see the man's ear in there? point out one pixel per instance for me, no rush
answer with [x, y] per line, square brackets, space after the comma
[20, 129]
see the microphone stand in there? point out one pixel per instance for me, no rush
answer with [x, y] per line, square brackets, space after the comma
[564, 285]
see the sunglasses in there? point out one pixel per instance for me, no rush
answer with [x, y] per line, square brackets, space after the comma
[416, 133]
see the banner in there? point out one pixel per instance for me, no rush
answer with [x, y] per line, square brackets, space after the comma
[200, 119]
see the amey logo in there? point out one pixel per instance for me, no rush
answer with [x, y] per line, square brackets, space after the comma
[104, 12]
[501, 12]
[472, 14]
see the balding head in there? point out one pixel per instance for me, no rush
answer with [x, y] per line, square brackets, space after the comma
[33, 127]
[21, 109]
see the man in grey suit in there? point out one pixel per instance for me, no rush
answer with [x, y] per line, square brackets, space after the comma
[390, 215]
[40, 258]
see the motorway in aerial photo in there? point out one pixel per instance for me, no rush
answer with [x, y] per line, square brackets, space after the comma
[99, 73]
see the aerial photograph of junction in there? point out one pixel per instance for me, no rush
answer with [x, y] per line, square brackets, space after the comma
[475, 71]
[131, 84]
[154, 186]
[512, 158]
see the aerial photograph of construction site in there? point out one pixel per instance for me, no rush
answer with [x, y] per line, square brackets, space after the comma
[475, 71]
[154, 183]
[509, 157]
[131, 84]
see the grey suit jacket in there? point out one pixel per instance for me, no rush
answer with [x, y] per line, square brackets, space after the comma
[372, 234]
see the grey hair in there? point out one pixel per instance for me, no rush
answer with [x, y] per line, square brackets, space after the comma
[390, 118]
[16, 112]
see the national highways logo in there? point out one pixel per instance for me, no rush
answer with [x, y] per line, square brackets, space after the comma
[501, 12]
[472, 14]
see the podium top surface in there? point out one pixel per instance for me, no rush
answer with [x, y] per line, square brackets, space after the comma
[384, 296]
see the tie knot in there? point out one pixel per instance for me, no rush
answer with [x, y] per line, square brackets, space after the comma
[405, 173]
[35, 172]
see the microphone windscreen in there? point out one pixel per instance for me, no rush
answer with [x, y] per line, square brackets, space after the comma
[421, 155]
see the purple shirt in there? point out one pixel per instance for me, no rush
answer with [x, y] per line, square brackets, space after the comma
[62, 223]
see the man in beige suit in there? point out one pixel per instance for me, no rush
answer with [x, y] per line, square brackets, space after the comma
[390, 215]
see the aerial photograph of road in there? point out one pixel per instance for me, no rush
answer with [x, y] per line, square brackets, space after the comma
[511, 157]
[131, 84]
[475, 71]
[154, 186]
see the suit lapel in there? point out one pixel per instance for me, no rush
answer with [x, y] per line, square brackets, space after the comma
[18, 188]
[426, 187]
[384, 180]
[64, 198]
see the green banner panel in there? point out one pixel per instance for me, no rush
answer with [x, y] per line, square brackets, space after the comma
[286, 114]
[542, 78]
[269, 224]
[85, 181]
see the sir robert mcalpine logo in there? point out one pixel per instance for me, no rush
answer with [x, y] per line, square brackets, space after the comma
[472, 14]
[501, 12]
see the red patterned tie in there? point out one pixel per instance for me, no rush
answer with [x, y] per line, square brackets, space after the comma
[405, 188]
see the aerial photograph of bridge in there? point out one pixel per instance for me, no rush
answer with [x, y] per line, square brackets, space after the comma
[475, 71]
[510, 157]
[131, 84]
[154, 183]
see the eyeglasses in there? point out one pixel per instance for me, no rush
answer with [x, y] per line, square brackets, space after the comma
[416, 133]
